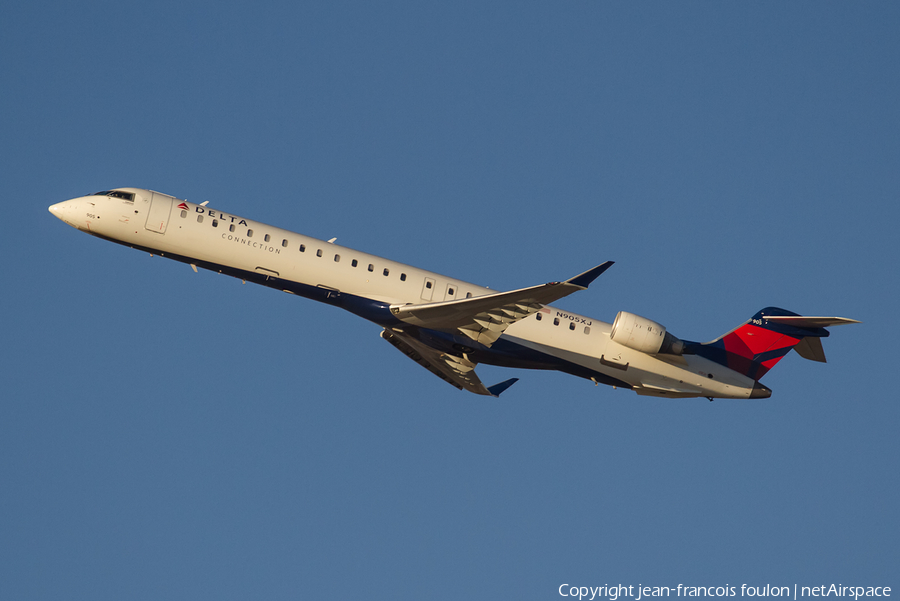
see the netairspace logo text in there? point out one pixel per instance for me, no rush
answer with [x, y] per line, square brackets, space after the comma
[640, 592]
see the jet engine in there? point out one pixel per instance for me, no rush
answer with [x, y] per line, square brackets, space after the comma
[642, 334]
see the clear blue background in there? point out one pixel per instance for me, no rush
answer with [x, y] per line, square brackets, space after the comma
[172, 435]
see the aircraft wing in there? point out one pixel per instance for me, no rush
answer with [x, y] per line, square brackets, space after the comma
[484, 318]
[457, 371]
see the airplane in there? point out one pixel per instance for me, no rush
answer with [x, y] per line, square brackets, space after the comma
[449, 326]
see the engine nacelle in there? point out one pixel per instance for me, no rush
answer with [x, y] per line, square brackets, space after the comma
[642, 334]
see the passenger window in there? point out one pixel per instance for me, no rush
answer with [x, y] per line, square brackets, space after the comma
[303, 248]
[587, 329]
[468, 295]
[354, 262]
[337, 258]
[183, 214]
[572, 325]
[371, 267]
[319, 253]
[538, 316]
[249, 233]
[386, 271]
[450, 291]
[199, 218]
[402, 277]
[215, 223]
[556, 321]
[428, 285]
[266, 238]
[231, 228]
[284, 243]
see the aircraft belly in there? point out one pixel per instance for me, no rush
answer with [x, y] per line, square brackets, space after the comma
[691, 376]
[675, 377]
[510, 350]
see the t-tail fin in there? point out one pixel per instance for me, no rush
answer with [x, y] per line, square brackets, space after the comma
[756, 346]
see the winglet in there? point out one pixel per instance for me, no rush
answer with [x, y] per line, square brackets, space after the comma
[584, 280]
[497, 389]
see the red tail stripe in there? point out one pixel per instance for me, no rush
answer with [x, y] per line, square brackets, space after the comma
[749, 341]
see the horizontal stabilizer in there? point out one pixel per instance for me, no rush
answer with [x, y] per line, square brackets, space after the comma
[801, 321]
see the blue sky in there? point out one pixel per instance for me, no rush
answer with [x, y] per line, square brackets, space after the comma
[166, 434]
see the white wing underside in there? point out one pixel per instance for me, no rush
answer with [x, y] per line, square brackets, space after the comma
[484, 327]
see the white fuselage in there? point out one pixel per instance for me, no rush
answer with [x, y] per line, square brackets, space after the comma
[367, 285]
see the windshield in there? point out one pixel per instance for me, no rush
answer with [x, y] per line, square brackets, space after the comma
[116, 194]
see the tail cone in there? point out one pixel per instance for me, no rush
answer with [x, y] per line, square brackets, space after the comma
[760, 392]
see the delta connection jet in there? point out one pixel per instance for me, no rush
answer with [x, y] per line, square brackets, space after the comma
[449, 326]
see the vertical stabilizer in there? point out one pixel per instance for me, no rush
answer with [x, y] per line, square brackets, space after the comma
[754, 347]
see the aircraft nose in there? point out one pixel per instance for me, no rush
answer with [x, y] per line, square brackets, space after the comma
[65, 211]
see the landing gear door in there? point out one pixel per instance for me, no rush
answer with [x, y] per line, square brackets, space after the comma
[158, 215]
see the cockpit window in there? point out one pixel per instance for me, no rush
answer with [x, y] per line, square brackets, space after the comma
[129, 196]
